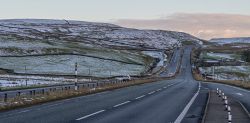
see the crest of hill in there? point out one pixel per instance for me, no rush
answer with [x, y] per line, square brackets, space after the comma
[93, 34]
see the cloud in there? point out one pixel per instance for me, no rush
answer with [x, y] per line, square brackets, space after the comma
[204, 26]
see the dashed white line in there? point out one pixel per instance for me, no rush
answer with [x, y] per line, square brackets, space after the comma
[121, 104]
[165, 87]
[151, 92]
[239, 94]
[24, 111]
[54, 105]
[140, 97]
[158, 90]
[98, 112]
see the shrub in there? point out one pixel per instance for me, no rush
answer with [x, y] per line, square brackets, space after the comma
[246, 55]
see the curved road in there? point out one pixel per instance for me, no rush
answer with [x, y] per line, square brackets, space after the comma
[179, 100]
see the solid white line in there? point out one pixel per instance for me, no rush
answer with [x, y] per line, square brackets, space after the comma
[185, 110]
[140, 97]
[151, 92]
[121, 104]
[98, 112]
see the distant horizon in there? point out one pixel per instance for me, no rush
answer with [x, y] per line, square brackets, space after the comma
[196, 17]
[117, 23]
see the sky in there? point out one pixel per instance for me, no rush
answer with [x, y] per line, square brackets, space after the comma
[128, 12]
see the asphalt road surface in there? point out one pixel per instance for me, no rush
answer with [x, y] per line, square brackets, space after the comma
[173, 65]
[179, 100]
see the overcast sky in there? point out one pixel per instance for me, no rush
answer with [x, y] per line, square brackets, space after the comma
[116, 11]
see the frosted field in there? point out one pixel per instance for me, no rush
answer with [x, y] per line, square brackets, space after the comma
[64, 65]
[9, 81]
[229, 72]
[219, 56]
[22, 82]
[106, 49]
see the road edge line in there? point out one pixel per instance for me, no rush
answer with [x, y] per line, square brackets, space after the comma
[185, 110]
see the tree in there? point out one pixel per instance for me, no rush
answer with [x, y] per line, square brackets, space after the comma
[246, 55]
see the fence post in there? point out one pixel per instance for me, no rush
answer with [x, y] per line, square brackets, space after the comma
[43, 91]
[34, 92]
[5, 97]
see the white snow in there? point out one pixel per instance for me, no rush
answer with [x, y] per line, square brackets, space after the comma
[117, 36]
[223, 41]
[221, 55]
[225, 72]
[159, 55]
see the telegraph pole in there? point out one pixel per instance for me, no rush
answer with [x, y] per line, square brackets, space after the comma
[26, 78]
[89, 71]
[213, 73]
[76, 72]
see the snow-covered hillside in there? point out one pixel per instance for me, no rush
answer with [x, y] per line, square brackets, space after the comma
[101, 49]
[97, 34]
[223, 41]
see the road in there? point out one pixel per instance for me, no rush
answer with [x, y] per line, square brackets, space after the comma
[174, 63]
[180, 99]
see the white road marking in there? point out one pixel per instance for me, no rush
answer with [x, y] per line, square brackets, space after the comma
[24, 111]
[185, 110]
[158, 90]
[170, 85]
[140, 97]
[151, 92]
[54, 105]
[239, 94]
[121, 104]
[165, 87]
[98, 112]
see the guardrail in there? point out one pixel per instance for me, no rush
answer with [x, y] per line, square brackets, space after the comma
[7, 95]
